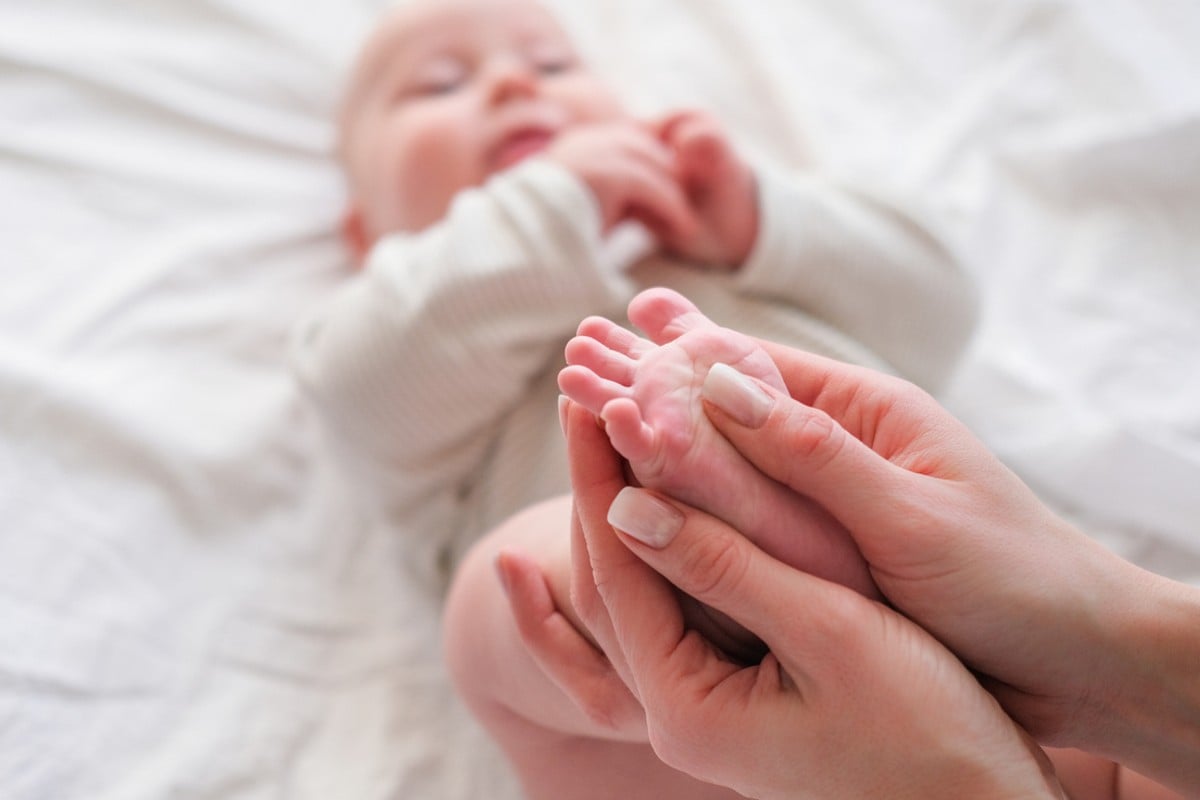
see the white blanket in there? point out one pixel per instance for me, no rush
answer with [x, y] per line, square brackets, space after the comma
[184, 611]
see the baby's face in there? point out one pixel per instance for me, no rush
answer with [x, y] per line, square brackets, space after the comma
[447, 93]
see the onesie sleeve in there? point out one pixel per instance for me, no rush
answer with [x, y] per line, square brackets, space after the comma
[415, 361]
[864, 268]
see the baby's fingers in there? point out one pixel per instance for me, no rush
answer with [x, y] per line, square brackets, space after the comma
[670, 127]
[656, 199]
[702, 150]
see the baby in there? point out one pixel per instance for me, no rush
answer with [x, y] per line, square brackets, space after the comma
[499, 193]
[494, 181]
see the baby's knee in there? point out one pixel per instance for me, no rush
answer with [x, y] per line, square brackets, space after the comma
[476, 598]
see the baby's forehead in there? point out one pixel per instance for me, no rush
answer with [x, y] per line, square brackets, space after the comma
[411, 26]
[414, 29]
[388, 46]
[395, 35]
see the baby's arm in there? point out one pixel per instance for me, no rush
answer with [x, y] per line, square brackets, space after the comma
[559, 750]
[862, 280]
[867, 269]
[415, 360]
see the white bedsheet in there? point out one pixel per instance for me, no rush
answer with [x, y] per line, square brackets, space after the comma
[185, 610]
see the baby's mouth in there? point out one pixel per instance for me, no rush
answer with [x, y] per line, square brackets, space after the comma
[520, 145]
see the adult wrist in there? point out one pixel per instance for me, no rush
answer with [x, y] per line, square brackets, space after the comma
[1156, 709]
[1023, 772]
[1025, 781]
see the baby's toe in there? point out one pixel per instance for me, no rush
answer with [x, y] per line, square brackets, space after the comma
[665, 315]
[614, 337]
[589, 389]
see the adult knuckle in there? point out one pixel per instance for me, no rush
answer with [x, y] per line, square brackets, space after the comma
[669, 741]
[586, 601]
[685, 740]
[811, 436]
[716, 565]
[840, 622]
[606, 709]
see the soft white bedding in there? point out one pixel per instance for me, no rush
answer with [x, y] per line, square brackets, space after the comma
[184, 611]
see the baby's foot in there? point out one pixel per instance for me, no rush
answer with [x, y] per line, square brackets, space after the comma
[648, 394]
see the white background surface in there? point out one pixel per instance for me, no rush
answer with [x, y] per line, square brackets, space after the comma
[183, 612]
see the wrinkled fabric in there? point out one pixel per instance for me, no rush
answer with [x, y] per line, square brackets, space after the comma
[187, 605]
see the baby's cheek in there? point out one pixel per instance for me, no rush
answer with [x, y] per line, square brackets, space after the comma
[435, 167]
[589, 100]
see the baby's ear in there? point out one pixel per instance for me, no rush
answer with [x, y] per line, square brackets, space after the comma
[354, 234]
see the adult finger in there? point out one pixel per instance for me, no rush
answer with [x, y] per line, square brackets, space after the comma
[702, 711]
[837, 660]
[717, 565]
[835, 386]
[581, 671]
[800, 445]
[597, 476]
[627, 588]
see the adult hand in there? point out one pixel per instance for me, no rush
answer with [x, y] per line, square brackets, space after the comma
[576, 647]
[1082, 648]
[574, 658]
[852, 701]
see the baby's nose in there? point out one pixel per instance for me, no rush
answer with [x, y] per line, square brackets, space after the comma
[510, 78]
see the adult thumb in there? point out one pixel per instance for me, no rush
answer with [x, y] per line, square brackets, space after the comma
[802, 447]
[715, 564]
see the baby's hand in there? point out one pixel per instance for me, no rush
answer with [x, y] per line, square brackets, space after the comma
[720, 188]
[632, 174]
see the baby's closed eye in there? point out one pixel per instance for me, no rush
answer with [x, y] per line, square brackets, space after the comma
[438, 76]
[549, 58]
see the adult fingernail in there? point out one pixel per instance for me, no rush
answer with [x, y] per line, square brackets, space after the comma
[562, 412]
[736, 395]
[502, 573]
[643, 516]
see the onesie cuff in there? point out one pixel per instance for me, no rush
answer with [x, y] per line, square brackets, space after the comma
[782, 223]
[554, 193]
[560, 191]
[559, 223]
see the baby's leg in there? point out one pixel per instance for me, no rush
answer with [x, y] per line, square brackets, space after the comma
[557, 749]
[649, 398]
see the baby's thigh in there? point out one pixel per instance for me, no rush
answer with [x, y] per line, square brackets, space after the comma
[541, 531]
[483, 648]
